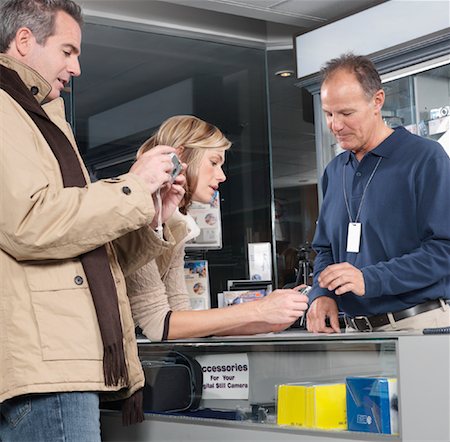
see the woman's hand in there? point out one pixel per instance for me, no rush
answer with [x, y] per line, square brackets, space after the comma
[171, 197]
[281, 307]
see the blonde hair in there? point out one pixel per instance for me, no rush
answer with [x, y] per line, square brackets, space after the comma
[193, 135]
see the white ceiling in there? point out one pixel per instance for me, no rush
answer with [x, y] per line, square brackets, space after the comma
[300, 13]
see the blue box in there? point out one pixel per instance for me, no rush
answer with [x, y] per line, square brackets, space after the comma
[372, 404]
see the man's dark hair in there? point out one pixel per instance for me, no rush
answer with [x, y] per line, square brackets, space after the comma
[37, 15]
[361, 66]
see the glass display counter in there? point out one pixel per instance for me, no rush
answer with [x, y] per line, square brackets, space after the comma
[246, 409]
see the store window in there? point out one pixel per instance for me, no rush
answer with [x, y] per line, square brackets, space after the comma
[294, 170]
[133, 80]
[421, 103]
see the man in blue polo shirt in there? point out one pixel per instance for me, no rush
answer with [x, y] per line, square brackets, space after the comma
[383, 235]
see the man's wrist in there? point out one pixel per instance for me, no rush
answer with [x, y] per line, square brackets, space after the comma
[159, 230]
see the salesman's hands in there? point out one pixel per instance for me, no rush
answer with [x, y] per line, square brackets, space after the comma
[342, 278]
[320, 309]
[154, 167]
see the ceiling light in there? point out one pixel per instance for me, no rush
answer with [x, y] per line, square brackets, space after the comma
[285, 73]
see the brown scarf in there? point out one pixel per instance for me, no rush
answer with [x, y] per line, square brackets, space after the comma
[95, 263]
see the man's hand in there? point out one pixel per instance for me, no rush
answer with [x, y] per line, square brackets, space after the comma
[342, 278]
[320, 309]
[154, 167]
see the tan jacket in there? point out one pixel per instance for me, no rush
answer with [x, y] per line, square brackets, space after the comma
[49, 335]
[159, 286]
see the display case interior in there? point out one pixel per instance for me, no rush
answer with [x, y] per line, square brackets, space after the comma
[258, 381]
[421, 103]
[242, 397]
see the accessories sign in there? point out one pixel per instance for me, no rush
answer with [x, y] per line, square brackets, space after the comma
[225, 376]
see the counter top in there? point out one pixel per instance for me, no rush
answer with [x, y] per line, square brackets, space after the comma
[288, 335]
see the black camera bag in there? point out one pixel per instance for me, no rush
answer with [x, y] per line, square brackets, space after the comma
[173, 382]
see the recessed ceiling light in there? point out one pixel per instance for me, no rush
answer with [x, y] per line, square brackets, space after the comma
[285, 73]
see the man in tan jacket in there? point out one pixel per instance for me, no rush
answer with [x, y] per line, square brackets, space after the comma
[66, 331]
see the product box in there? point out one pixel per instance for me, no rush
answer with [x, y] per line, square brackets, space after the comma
[292, 405]
[241, 296]
[196, 276]
[312, 405]
[372, 404]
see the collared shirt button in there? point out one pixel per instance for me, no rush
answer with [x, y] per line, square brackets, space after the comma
[34, 90]
[78, 280]
[358, 174]
[126, 190]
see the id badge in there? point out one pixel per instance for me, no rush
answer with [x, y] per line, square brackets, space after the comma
[353, 237]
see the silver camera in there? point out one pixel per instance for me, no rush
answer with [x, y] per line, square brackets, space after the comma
[439, 112]
[305, 290]
[177, 166]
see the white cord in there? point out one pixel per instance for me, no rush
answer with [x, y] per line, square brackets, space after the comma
[159, 228]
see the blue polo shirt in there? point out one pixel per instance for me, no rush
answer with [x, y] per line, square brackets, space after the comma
[404, 252]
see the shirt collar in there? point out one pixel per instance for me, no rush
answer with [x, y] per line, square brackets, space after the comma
[384, 149]
[348, 156]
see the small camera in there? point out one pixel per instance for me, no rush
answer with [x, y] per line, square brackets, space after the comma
[305, 290]
[177, 166]
[439, 112]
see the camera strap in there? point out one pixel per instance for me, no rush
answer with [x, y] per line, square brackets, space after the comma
[159, 228]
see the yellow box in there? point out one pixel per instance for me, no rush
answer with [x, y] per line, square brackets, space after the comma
[292, 405]
[312, 406]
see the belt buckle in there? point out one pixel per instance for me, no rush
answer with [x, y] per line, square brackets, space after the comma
[367, 323]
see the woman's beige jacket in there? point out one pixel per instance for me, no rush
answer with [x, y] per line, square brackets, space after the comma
[49, 335]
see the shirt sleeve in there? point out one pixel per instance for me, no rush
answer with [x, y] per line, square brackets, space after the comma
[148, 300]
[428, 263]
[322, 246]
[176, 283]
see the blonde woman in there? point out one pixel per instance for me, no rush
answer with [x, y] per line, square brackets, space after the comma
[157, 292]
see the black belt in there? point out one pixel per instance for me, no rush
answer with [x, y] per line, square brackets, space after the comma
[368, 323]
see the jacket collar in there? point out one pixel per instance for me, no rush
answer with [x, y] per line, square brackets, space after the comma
[32, 79]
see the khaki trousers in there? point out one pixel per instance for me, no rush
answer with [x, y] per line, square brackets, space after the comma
[439, 317]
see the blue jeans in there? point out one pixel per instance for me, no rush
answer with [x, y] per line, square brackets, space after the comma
[62, 417]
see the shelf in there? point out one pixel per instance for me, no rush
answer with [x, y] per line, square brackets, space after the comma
[204, 428]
